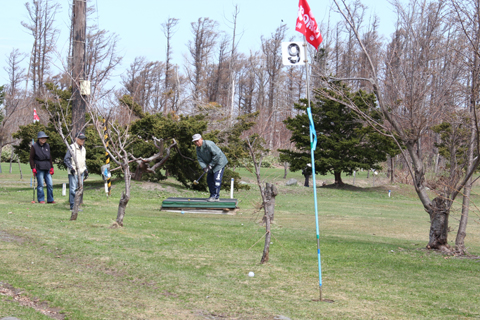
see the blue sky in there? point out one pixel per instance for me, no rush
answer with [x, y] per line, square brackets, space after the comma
[138, 23]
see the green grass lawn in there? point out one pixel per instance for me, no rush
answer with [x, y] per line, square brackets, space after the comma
[164, 265]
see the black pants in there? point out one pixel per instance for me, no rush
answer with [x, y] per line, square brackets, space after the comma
[307, 179]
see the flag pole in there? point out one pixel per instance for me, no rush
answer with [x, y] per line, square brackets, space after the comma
[313, 146]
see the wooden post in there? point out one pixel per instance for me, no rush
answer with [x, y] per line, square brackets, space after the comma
[79, 22]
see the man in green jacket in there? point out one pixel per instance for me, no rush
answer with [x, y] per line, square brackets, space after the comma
[213, 161]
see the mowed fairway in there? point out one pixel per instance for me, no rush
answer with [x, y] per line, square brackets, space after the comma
[164, 265]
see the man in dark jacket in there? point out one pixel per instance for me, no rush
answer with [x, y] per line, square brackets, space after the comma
[213, 161]
[42, 167]
[307, 172]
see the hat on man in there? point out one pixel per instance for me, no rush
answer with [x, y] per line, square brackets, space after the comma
[196, 137]
[309, 165]
[41, 134]
[81, 136]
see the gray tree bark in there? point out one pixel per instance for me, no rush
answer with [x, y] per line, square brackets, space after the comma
[122, 205]
[270, 193]
[78, 72]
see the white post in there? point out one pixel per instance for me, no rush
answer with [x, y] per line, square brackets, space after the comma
[64, 189]
[106, 188]
[231, 189]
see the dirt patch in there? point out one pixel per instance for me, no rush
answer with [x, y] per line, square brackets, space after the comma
[152, 186]
[6, 237]
[40, 306]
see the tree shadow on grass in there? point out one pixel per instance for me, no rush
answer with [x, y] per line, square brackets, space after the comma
[349, 187]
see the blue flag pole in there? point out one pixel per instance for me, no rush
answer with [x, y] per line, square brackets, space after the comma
[313, 146]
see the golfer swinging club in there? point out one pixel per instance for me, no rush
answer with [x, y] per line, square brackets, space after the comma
[213, 162]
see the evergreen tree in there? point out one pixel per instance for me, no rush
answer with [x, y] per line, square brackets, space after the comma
[345, 142]
[182, 164]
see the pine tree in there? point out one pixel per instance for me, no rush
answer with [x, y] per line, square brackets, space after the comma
[345, 142]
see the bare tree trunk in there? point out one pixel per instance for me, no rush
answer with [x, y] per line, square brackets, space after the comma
[392, 165]
[168, 30]
[11, 161]
[439, 213]
[122, 205]
[285, 167]
[389, 168]
[462, 227]
[141, 168]
[269, 208]
[20, 168]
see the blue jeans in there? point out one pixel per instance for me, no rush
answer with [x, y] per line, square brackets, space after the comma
[214, 180]
[73, 185]
[44, 175]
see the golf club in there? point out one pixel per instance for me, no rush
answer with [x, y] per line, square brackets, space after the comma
[34, 178]
[195, 182]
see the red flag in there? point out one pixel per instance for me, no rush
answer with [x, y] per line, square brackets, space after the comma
[307, 25]
[35, 115]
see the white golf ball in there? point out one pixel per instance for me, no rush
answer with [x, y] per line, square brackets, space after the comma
[251, 274]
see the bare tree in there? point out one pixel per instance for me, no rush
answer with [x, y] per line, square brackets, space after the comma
[248, 84]
[15, 102]
[101, 57]
[232, 62]
[116, 145]
[254, 144]
[168, 29]
[41, 15]
[424, 87]
[218, 75]
[201, 48]
[468, 20]
[144, 83]
[271, 49]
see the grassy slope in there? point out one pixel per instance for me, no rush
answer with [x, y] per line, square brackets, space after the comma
[171, 266]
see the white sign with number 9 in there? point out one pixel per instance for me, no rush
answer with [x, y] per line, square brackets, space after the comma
[293, 53]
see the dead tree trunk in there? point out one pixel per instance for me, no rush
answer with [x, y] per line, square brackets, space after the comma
[141, 168]
[20, 168]
[125, 195]
[270, 193]
[285, 167]
[144, 164]
[11, 160]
